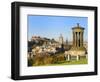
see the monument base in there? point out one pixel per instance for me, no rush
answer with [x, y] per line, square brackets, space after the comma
[76, 51]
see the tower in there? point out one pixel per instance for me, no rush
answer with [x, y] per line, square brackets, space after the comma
[78, 33]
[61, 39]
[77, 48]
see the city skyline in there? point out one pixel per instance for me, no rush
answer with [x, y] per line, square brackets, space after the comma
[53, 26]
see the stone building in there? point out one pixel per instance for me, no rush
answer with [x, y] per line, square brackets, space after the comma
[77, 48]
[78, 38]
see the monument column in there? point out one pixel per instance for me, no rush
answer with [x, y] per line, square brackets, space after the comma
[73, 38]
[77, 39]
[81, 39]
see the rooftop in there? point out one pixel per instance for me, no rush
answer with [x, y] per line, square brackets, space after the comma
[78, 27]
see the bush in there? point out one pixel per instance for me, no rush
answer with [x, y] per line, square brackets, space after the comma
[60, 58]
[47, 60]
[44, 59]
[38, 60]
[30, 62]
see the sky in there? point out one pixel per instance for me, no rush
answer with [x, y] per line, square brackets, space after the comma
[53, 26]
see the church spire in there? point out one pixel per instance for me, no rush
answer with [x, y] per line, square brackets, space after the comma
[61, 39]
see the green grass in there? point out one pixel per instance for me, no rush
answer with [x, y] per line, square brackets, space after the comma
[72, 62]
[56, 61]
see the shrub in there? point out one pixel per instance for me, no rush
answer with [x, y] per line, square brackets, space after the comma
[38, 60]
[47, 60]
[44, 59]
[60, 58]
[30, 62]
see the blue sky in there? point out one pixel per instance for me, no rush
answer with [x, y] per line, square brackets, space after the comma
[53, 26]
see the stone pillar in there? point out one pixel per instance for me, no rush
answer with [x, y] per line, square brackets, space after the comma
[73, 38]
[77, 39]
[77, 57]
[81, 39]
[69, 57]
